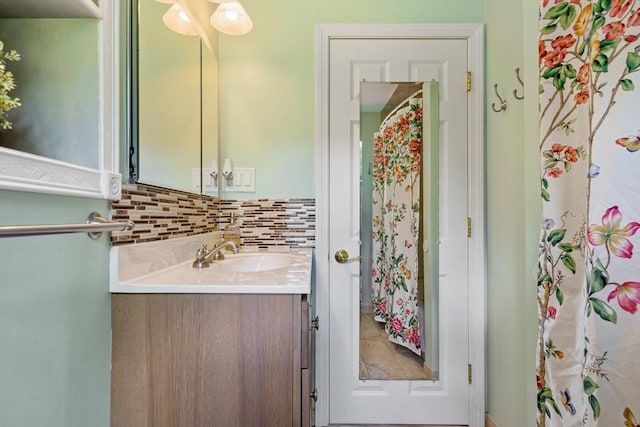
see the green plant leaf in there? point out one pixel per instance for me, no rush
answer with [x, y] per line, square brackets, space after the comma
[598, 22]
[568, 262]
[607, 45]
[627, 85]
[589, 385]
[551, 72]
[556, 236]
[597, 280]
[604, 310]
[603, 5]
[544, 278]
[559, 296]
[570, 71]
[549, 29]
[633, 62]
[595, 405]
[556, 11]
[567, 247]
[545, 397]
[545, 183]
[559, 80]
[567, 18]
[581, 48]
[545, 195]
[600, 63]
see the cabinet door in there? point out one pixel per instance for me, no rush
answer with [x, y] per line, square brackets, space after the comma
[205, 360]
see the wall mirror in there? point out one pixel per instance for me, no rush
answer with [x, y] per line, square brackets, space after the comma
[174, 93]
[64, 136]
[399, 231]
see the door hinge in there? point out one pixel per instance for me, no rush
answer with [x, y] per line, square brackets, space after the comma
[468, 226]
[468, 81]
[470, 372]
[315, 323]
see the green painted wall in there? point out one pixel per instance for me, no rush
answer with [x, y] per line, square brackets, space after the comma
[54, 317]
[268, 78]
[54, 299]
[513, 211]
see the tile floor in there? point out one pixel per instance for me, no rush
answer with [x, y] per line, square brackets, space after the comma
[380, 359]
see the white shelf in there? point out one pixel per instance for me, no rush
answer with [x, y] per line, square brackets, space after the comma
[49, 9]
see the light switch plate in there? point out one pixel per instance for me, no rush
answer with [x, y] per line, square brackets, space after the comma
[207, 180]
[244, 180]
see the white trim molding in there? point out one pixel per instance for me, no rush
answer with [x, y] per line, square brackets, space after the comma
[474, 34]
[27, 172]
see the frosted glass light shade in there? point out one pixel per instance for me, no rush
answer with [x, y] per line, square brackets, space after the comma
[231, 18]
[167, 1]
[177, 20]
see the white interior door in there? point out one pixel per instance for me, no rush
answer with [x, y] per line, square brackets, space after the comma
[351, 400]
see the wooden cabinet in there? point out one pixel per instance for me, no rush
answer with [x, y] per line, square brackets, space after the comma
[182, 360]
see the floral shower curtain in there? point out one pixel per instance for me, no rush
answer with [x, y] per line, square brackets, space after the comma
[396, 224]
[588, 272]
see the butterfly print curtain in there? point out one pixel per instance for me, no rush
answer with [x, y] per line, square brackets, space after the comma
[588, 275]
[396, 224]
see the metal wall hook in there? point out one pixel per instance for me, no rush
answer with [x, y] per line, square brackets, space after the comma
[515, 91]
[503, 103]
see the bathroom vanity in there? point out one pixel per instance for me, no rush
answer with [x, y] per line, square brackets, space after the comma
[237, 357]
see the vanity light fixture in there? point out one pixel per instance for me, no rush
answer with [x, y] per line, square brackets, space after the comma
[231, 18]
[227, 172]
[177, 20]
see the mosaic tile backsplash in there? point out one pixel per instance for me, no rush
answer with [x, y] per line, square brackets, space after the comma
[272, 222]
[160, 214]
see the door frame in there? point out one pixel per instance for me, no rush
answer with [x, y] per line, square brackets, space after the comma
[474, 34]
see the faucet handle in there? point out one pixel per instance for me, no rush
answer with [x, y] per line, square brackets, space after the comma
[200, 253]
[201, 258]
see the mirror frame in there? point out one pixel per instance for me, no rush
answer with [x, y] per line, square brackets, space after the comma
[28, 172]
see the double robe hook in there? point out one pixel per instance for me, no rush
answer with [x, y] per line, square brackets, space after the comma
[515, 91]
[503, 102]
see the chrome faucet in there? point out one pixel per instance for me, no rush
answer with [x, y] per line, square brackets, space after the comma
[204, 255]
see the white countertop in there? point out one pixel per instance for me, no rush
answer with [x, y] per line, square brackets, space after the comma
[166, 267]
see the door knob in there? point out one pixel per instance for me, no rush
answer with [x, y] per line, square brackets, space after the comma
[342, 257]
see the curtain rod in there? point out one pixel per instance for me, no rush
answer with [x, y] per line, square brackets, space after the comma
[402, 104]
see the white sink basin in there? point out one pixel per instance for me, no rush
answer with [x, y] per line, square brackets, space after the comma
[140, 270]
[254, 262]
